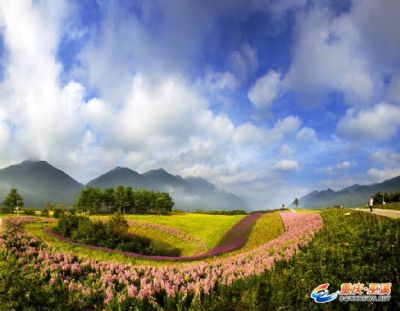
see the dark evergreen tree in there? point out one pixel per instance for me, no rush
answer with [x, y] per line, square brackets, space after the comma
[13, 201]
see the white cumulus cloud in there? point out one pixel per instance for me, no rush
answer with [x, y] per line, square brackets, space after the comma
[345, 164]
[327, 57]
[379, 122]
[380, 175]
[306, 134]
[265, 89]
[287, 165]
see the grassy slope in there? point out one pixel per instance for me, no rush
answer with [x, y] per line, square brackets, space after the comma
[267, 228]
[187, 249]
[210, 228]
[359, 247]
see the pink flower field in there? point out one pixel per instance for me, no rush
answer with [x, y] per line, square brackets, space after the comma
[120, 282]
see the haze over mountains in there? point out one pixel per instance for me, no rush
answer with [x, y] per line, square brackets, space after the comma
[355, 195]
[39, 182]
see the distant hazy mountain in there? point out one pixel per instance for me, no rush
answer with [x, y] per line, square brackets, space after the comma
[161, 179]
[355, 195]
[120, 176]
[189, 194]
[39, 182]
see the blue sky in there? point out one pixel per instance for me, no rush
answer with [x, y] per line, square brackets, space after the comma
[268, 99]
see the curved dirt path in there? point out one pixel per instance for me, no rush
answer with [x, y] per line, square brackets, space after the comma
[233, 239]
[382, 212]
[236, 236]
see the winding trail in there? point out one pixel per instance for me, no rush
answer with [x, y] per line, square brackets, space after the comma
[233, 239]
[236, 237]
[382, 212]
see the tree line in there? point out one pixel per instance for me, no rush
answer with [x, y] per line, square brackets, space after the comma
[381, 197]
[124, 200]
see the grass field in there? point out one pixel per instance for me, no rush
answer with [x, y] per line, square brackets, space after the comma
[207, 228]
[267, 228]
[187, 249]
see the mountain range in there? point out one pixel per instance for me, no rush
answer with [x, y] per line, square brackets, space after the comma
[355, 195]
[39, 182]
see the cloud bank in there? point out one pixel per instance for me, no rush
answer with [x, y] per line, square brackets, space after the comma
[260, 106]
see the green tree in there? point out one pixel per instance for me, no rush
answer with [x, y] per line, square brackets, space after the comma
[123, 200]
[140, 201]
[109, 199]
[89, 200]
[127, 200]
[58, 210]
[296, 202]
[119, 199]
[163, 203]
[12, 201]
[96, 200]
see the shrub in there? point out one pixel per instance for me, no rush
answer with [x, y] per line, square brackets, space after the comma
[117, 225]
[58, 211]
[137, 243]
[112, 234]
[44, 212]
[21, 289]
[91, 232]
[29, 211]
[5, 210]
[68, 224]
